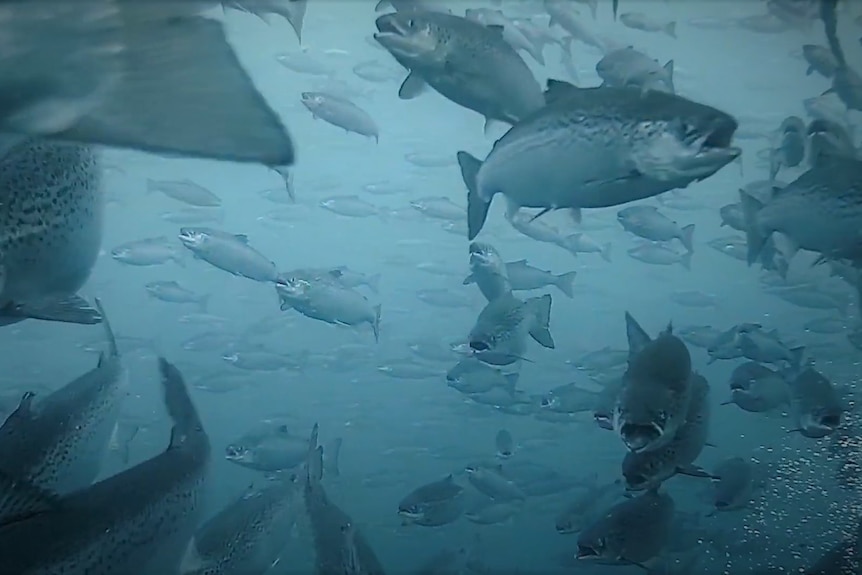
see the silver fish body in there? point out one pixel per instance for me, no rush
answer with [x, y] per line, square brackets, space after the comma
[598, 147]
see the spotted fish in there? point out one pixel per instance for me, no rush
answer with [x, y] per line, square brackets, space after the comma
[248, 536]
[138, 521]
[338, 544]
[51, 216]
[58, 444]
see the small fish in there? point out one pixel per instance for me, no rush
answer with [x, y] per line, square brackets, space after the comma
[185, 191]
[172, 292]
[493, 483]
[327, 301]
[648, 223]
[645, 23]
[147, 252]
[340, 112]
[505, 444]
[499, 334]
[229, 252]
[661, 255]
[488, 271]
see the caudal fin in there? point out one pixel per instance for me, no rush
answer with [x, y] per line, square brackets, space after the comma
[606, 252]
[687, 237]
[331, 454]
[670, 29]
[754, 238]
[373, 283]
[564, 282]
[540, 331]
[376, 325]
[184, 92]
[477, 207]
[187, 429]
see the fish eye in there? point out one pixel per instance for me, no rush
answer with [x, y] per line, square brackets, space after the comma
[410, 23]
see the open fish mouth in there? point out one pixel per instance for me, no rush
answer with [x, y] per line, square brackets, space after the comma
[638, 437]
[587, 552]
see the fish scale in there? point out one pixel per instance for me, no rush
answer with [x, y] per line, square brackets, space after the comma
[51, 213]
[59, 445]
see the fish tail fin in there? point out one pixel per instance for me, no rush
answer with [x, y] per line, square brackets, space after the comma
[796, 356]
[332, 452]
[376, 325]
[204, 302]
[540, 331]
[754, 238]
[536, 52]
[606, 252]
[113, 351]
[511, 381]
[668, 68]
[670, 29]
[687, 238]
[374, 283]
[477, 207]
[314, 459]
[181, 409]
[685, 260]
[184, 91]
[564, 282]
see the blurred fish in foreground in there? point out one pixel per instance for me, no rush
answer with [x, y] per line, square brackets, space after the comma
[153, 76]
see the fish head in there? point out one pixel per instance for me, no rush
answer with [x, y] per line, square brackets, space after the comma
[239, 454]
[640, 473]
[410, 37]
[292, 287]
[642, 418]
[819, 423]
[312, 100]
[689, 143]
[193, 238]
[486, 256]
[121, 253]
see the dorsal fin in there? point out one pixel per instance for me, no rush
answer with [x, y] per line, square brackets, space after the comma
[636, 335]
[113, 351]
[557, 90]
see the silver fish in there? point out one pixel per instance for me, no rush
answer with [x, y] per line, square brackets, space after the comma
[499, 334]
[598, 147]
[327, 301]
[488, 271]
[229, 252]
[468, 63]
